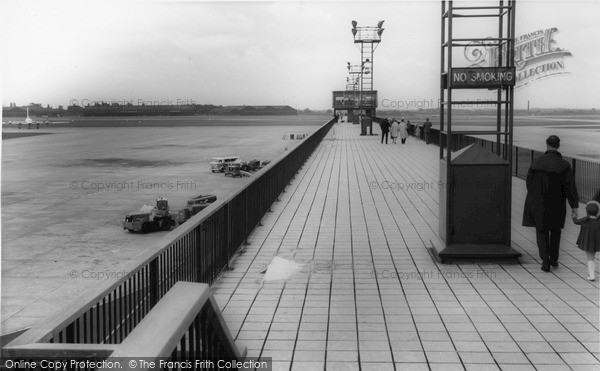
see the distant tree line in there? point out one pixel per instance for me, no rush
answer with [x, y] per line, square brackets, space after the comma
[114, 109]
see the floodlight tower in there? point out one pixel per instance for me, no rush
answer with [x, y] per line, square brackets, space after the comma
[355, 72]
[351, 97]
[352, 83]
[368, 39]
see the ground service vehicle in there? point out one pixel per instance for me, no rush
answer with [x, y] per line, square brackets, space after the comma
[219, 164]
[234, 170]
[157, 219]
[194, 206]
[251, 165]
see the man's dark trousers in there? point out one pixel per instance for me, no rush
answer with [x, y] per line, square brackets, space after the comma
[384, 134]
[548, 241]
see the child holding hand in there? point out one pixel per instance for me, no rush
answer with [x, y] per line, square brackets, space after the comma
[589, 235]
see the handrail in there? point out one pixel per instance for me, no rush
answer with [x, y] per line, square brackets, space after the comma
[185, 323]
[196, 251]
[59, 351]
[173, 320]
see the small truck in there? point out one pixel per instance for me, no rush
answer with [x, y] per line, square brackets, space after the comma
[219, 164]
[234, 170]
[194, 206]
[251, 165]
[157, 219]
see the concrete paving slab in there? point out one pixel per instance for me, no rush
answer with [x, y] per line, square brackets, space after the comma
[387, 299]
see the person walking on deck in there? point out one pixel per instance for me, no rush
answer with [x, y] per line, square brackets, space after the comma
[589, 236]
[385, 129]
[427, 130]
[403, 131]
[550, 183]
[394, 130]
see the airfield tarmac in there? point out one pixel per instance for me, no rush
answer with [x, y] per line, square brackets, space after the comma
[64, 196]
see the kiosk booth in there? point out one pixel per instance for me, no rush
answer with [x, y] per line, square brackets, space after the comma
[475, 191]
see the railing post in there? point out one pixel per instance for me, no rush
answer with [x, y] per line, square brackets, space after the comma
[70, 333]
[153, 277]
[531, 158]
[227, 221]
[517, 161]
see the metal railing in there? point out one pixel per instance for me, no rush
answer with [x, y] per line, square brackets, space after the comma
[190, 326]
[184, 326]
[586, 172]
[197, 251]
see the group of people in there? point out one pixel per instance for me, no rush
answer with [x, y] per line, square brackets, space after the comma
[550, 184]
[395, 129]
[391, 127]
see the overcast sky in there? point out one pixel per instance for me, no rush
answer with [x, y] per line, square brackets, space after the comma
[284, 53]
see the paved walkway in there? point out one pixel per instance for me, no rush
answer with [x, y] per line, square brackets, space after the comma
[370, 297]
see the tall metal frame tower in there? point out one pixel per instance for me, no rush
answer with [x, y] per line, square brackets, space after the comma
[354, 79]
[489, 65]
[496, 51]
[367, 38]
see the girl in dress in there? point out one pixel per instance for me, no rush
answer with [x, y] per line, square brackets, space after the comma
[589, 235]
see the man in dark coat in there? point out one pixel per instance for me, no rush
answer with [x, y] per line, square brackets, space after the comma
[427, 131]
[385, 129]
[550, 183]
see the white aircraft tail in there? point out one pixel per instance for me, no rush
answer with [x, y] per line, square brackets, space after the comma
[28, 120]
